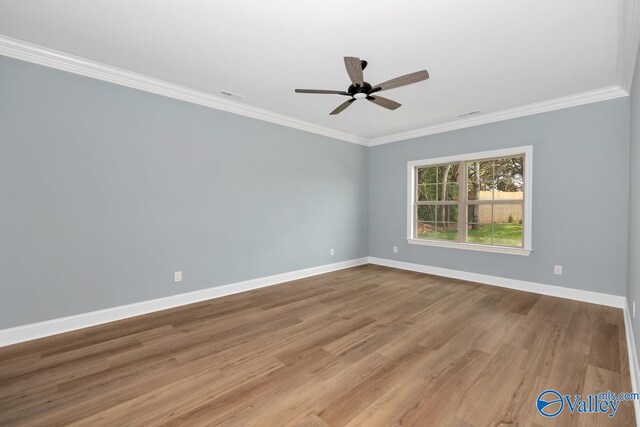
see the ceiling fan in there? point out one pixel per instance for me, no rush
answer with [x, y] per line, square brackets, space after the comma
[360, 89]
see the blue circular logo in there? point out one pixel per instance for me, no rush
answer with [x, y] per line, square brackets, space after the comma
[549, 403]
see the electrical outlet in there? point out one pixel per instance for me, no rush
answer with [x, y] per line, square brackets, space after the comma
[557, 269]
[633, 310]
[177, 276]
[395, 249]
[332, 252]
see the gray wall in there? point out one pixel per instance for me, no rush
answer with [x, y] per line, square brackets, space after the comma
[633, 292]
[580, 197]
[105, 191]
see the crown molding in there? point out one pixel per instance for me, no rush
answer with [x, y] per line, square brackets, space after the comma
[628, 41]
[582, 98]
[54, 59]
[51, 58]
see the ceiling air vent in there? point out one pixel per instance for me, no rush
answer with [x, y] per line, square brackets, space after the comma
[231, 95]
[467, 114]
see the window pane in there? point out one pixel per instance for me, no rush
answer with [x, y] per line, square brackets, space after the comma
[427, 192]
[448, 192]
[507, 214]
[509, 168]
[479, 233]
[508, 235]
[479, 224]
[482, 190]
[452, 192]
[448, 173]
[508, 190]
[426, 213]
[425, 230]
[447, 213]
[427, 175]
[479, 214]
[447, 231]
[480, 171]
[473, 190]
[507, 225]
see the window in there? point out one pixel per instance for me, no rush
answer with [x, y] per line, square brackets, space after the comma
[480, 201]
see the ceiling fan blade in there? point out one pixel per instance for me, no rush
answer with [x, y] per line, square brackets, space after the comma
[383, 102]
[407, 79]
[354, 69]
[341, 107]
[332, 92]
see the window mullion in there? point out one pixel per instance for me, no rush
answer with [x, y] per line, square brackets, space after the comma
[462, 202]
[416, 198]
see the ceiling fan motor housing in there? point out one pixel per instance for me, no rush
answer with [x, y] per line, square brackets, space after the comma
[365, 88]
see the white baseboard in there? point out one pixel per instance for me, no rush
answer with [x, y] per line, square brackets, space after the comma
[84, 320]
[521, 285]
[634, 367]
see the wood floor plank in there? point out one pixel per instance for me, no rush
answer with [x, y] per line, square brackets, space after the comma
[598, 380]
[580, 330]
[437, 403]
[488, 399]
[365, 346]
[605, 347]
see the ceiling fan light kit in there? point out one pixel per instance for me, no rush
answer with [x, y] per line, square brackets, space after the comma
[359, 89]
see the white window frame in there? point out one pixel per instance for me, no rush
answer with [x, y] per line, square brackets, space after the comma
[526, 151]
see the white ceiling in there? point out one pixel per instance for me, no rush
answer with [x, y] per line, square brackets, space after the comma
[481, 55]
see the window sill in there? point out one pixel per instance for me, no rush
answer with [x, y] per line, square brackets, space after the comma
[472, 247]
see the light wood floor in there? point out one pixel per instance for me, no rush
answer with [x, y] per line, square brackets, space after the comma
[368, 346]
